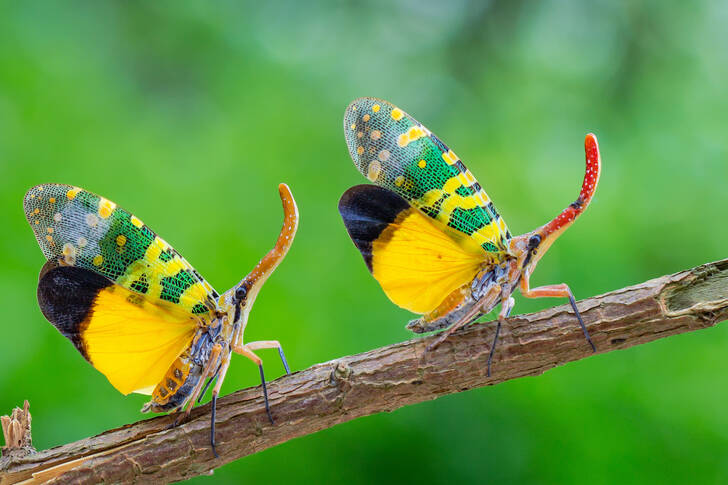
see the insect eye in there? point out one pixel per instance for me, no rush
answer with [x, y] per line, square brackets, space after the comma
[534, 241]
[240, 293]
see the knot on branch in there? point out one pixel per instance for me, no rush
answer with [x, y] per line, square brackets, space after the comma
[340, 376]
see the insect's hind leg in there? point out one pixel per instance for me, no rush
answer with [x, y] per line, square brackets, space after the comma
[207, 371]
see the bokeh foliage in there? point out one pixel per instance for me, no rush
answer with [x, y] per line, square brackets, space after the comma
[189, 113]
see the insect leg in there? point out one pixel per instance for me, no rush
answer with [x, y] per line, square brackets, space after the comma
[492, 347]
[562, 291]
[506, 308]
[487, 301]
[270, 344]
[207, 384]
[207, 371]
[222, 369]
[244, 350]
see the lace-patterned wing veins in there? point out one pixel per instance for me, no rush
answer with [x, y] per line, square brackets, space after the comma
[125, 298]
[77, 228]
[395, 151]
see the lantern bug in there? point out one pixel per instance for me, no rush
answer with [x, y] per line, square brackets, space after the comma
[135, 308]
[429, 233]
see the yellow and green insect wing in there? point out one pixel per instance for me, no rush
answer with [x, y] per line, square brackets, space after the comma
[395, 151]
[77, 228]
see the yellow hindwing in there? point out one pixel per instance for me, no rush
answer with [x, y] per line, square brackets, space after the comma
[418, 263]
[132, 341]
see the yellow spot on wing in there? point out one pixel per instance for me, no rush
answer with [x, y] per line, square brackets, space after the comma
[397, 114]
[71, 194]
[106, 207]
[69, 254]
[375, 168]
[136, 222]
[153, 252]
[175, 266]
[121, 239]
[456, 200]
[375, 108]
[462, 179]
[98, 260]
[451, 185]
[422, 164]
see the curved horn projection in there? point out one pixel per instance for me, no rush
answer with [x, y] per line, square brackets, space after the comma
[588, 187]
[270, 261]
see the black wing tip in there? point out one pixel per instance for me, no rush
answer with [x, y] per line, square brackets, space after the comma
[350, 195]
[377, 200]
[66, 295]
[367, 210]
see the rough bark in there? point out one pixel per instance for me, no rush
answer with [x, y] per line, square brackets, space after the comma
[383, 380]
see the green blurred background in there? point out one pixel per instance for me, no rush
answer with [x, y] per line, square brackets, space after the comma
[190, 113]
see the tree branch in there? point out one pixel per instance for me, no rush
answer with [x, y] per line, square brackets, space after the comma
[383, 380]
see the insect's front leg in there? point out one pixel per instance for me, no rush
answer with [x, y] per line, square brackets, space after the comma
[557, 291]
[271, 344]
[247, 352]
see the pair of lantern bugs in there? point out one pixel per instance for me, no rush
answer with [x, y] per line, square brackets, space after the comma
[429, 234]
